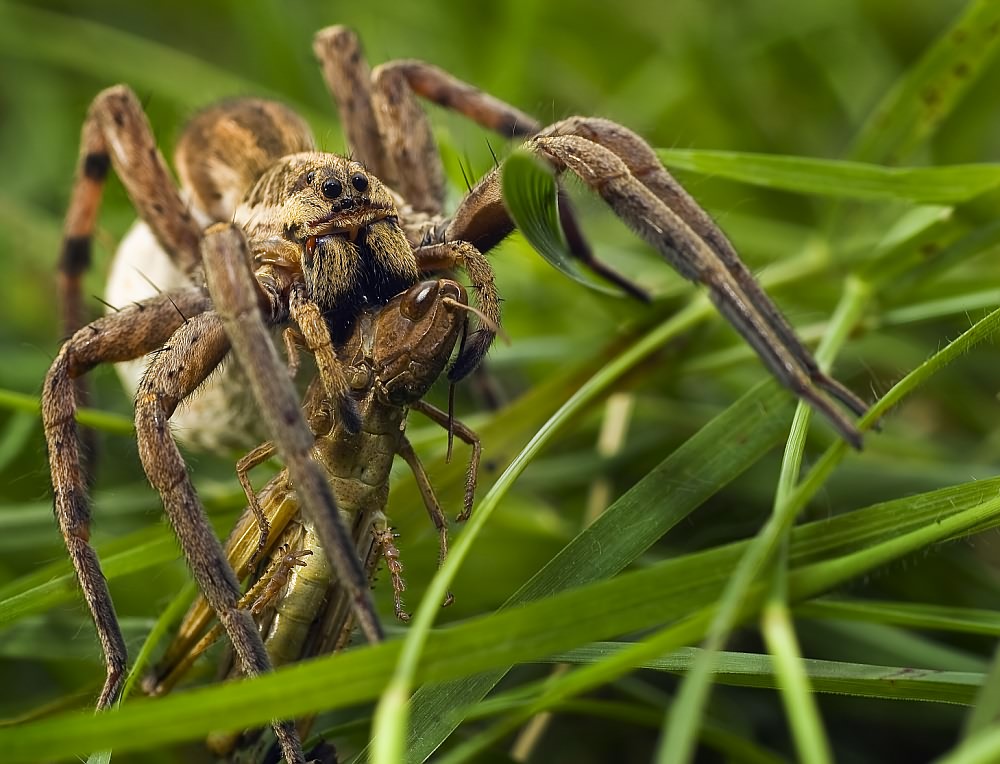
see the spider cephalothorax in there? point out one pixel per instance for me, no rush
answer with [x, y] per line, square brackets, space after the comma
[328, 217]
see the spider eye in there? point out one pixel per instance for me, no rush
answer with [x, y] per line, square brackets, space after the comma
[360, 182]
[332, 189]
[310, 177]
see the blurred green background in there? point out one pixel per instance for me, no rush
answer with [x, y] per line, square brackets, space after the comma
[781, 77]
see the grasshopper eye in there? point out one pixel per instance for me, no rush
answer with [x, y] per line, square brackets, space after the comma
[360, 182]
[419, 299]
[332, 188]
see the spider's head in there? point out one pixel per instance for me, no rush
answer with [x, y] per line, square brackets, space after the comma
[326, 194]
[311, 194]
[342, 223]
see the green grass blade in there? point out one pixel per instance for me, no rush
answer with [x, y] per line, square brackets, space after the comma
[143, 550]
[984, 712]
[791, 673]
[56, 582]
[530, 195]
[15, 436]
[912, 615]
[170, 616]
[839, 178]
[912, 110]
[834, 677]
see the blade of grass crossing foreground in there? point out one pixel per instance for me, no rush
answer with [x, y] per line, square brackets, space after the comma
[755, 670]
[912, 615]
[946, 185]
[776, 622]
[99, 420]
[986, 709]
[803, 716]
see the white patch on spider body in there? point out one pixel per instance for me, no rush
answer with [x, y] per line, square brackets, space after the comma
[221, 415]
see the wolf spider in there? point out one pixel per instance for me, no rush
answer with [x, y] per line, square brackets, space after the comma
[313, 239]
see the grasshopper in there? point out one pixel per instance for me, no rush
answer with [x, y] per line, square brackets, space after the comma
[392, 358]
